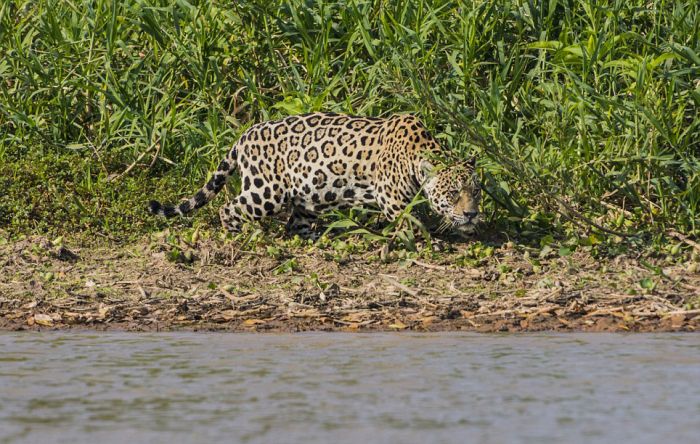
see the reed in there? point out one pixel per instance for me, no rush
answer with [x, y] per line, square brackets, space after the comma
[582, 112]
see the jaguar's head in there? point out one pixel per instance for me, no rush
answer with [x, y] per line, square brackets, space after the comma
[454, 193]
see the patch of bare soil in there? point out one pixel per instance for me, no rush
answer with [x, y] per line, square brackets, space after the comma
[138, 287]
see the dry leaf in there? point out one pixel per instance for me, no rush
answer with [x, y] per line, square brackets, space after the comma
[43, 319]
[428, 320]
[355, 317]
[228, 315]
[102, 311]
[29, 305]
[398, 325]
[677, 320]
[310, 313]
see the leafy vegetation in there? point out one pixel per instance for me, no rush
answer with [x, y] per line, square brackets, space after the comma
[585, 115]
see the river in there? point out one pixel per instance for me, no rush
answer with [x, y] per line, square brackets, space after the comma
[74, 387]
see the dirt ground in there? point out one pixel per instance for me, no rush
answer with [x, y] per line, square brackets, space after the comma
[219, 285]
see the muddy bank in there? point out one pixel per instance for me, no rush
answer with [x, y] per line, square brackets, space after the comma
[228, 285]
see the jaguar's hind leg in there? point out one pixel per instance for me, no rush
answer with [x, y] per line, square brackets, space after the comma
[302, 222]
[233, 216]
[243, 209]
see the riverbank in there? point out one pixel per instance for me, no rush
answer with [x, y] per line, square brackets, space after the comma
[165, 282]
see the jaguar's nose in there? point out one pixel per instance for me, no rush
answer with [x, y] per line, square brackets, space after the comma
[469, 215]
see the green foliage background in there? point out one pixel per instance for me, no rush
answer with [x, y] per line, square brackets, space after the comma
[577, 108]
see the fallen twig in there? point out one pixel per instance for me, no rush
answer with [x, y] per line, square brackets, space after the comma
[683, 312]
[399, 285]
[429, 266]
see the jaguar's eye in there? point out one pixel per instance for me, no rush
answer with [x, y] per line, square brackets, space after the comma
[476, 192]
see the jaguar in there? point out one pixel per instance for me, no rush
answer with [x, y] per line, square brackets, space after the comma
[309, 164]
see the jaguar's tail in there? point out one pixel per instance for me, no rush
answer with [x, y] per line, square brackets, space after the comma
[204, 195]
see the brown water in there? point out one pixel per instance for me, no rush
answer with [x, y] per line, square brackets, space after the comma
[343, 388]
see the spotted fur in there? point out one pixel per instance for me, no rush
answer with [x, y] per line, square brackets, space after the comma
[312, 163]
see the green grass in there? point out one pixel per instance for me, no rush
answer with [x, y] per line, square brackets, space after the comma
[579, 110]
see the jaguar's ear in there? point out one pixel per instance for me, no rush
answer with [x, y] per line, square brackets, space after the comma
[427, 168]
